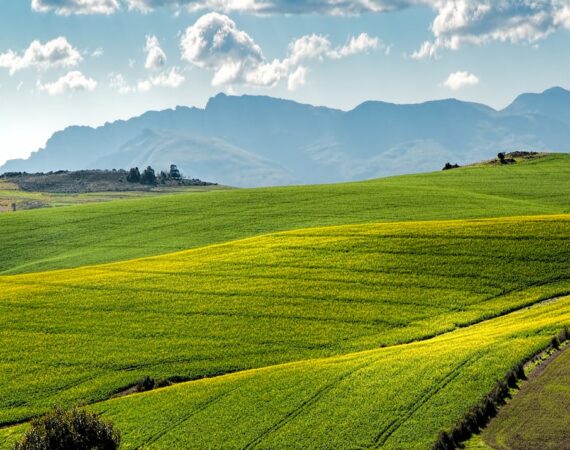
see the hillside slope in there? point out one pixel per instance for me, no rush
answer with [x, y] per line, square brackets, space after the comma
[261, 141]
[81, 334]
[392, 398]
[70, 237]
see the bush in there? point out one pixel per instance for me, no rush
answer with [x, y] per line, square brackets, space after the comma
[74, 429]
[449, 166]
[146, 384]
[564, 335]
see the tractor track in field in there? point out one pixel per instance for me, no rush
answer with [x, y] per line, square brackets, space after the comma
[156, 437]
[396, 424]
[303, 406]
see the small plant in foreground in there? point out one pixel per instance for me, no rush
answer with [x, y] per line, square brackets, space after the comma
[73, 429]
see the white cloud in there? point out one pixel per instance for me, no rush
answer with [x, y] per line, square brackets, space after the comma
[97, 53]
[362, 43]
[332, 7]
[55, 53]
[459, 80]
[461, 22]
[117, 81]
[171, 78]
[215, 43]
[155, 56]
[428, 50]
[71, 82]
[297, 79]
[69, 7]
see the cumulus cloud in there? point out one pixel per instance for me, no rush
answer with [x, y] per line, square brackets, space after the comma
[69, 7]
[332, 7]
[460, 80]
[362, 43]
[55, 53]
[461, 22]
[297, 79]
[155, 56]
[71, 82]
[215, 43]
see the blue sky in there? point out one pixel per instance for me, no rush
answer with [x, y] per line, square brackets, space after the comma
[65, 62]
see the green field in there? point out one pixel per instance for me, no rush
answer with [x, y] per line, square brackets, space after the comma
[352, 333]
[538, 415]
[70, 237]
[395, 397]
[25, 200]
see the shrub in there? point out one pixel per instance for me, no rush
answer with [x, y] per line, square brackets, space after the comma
[146, 384]
[564, 335]
[444, 442]
[73, 429]
[449, 166]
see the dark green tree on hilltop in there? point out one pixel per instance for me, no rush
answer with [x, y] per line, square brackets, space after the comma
[134, 176]
[174, 172]
[148, 177]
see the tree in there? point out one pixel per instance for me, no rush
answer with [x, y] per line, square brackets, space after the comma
[74, 429]
[501, 157]
[174, 172]
[163, 177]
[148, 177]
[134, 176]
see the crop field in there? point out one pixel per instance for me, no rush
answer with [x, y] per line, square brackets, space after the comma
[369, 314]
[395, 397]
[58, 238]
[81, 334]
[538, 415]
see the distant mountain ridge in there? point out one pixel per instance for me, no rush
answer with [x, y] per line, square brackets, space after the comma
[258, 140]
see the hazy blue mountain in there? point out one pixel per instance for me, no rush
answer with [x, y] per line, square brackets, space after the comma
[258, 140]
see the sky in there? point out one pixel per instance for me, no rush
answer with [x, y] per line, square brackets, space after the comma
[87, 62]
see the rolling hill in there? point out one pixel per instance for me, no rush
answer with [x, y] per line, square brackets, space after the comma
[82, 334]
[62, 238]
[260, 141]
[370, 314]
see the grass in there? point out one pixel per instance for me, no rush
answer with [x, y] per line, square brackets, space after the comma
[539, 414]
[10, 193]
[395, 397]
[97, 233]
[351, 334]
[81, 334]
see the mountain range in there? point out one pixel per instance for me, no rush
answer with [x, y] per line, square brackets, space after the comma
[260, 141]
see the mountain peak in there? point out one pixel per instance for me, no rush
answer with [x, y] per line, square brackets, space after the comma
[556, 90]
[553, 102]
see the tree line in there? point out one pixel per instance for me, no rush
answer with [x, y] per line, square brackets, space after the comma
[149, 177]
